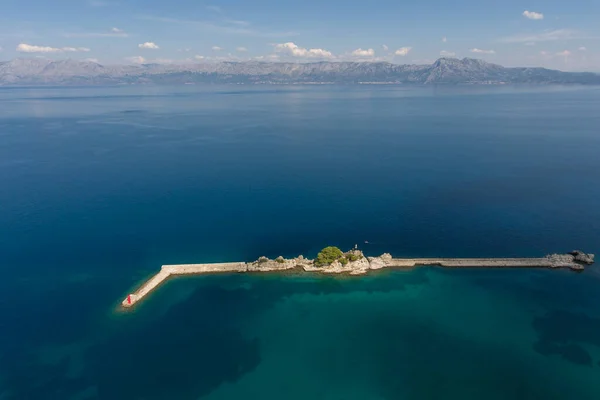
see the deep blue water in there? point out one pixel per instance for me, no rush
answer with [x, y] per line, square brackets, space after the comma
[100, 186]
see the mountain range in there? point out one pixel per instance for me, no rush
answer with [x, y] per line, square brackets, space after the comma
[40, 71]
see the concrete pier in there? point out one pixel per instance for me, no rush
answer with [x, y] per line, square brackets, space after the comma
[473, 262]
[575, 261]
[184, 269]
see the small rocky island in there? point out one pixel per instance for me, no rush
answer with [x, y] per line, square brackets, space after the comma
[331, 260]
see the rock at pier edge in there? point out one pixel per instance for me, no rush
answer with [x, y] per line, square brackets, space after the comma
[333, 261]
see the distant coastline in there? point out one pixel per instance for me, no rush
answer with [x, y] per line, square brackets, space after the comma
[452, 71]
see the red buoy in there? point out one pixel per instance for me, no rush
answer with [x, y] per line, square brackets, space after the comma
[128, 299]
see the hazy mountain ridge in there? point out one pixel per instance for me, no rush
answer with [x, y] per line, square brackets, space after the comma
[25, 71]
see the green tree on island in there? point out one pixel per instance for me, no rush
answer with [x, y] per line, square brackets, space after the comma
[328, 255]
[353, 256]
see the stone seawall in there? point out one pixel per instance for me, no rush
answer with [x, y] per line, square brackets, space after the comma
[139, 294]
[474, 262]
[575, 261]
[184, 269]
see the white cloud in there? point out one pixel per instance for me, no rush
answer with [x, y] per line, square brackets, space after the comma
[116, 30]
[544, 53]
[185, 50]
[479, 51]
[529, 44]
[363, 53]
[94, 60]
[217, 48]
[0, 48]
[295, 51]
[149, 46]
[564, 53]
[28, 48]
[75, 49]
[533, 15]
[444, 39]
[445, 53]
[385, 48]
[136, 60]
[582, 48]
[403, 51]
[241, 49]
[546, 36]
[198, 57]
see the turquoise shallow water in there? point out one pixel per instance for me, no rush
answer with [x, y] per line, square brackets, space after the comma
[101, 186]
[427, 333]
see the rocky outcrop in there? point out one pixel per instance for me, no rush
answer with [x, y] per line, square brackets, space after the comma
[353, 262]
[575, 260]
[380, 262]
[581, 257]
[560, 260]
[360, 266]
[335, 267]
[263, 264]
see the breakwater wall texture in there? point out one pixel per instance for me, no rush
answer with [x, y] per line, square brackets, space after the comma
[575, 261]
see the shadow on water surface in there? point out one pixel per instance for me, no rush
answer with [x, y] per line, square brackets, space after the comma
[560, 332]
[194, 348]
[186, 352]
[200, 344]
[417, 360]
[564, 333]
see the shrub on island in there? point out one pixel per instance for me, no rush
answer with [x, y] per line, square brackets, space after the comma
[328, 255]
[280, 260]
[353, 256]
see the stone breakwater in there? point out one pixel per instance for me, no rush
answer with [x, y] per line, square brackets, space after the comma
[576, 261]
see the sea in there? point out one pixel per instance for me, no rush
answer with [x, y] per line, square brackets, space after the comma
[101, 186]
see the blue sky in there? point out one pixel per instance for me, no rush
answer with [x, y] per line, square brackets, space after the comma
[551, 33]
